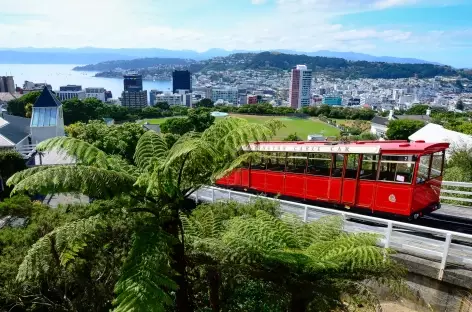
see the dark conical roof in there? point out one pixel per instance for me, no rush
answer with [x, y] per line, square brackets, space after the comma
[47, 99]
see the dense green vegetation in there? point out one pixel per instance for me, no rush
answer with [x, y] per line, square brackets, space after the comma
[142, 245]
[134, 64]
[338, 67]
[23, 105]
[402, 129]
[10, 163]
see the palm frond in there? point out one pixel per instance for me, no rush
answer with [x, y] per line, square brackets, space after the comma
[91, 181]
[146, 280]
[58, 248]
[82, 151]
[150, 148]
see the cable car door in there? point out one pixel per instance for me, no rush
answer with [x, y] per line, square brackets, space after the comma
[336, 179]
[350, 179]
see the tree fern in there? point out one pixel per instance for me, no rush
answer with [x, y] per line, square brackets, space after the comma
[58, 248]
[146, 281]
[81, 151]
[91, 181]
[150, 148]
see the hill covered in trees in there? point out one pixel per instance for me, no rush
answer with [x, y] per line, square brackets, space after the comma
[329, 65]
[333, 66]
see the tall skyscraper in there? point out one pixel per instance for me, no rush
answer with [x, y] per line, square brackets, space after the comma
[300, 87]
[181, 80]
[133, 83]
[7, 84]
[134, 96]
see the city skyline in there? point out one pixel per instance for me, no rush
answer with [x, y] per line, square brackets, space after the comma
[432, 30]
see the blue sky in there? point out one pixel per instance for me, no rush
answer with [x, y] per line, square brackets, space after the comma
[435, 30]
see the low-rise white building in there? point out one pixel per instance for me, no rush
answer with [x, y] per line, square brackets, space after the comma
[97, 93]
[170, 98]
[229, 95]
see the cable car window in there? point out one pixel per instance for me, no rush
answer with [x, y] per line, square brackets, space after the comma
[423, 169]
[258, 163]
[369, 167]
[437, 165]
[394, 168]
[276, 161]
[338, 164]
[352, 166]
[296, 163]
[319, 164]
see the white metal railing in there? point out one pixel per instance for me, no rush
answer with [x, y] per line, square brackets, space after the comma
[440, 251]
[446, 189]
[26, 150]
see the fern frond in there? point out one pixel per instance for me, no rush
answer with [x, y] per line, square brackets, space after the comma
[91, 181]
[81, 151]
[151, 147]
[146, 279]
[58, 248]
[21, 175]
[236, 163]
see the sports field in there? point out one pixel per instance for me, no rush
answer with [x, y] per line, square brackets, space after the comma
[302, 126]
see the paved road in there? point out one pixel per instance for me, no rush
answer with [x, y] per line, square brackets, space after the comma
[425, 245]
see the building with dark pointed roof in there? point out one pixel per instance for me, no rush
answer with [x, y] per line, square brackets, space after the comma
[47, 119]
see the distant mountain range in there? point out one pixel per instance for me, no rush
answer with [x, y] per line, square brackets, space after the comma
[89, 55]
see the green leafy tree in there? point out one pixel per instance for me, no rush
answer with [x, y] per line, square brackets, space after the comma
[11, 162]
[162, 180]
[17, 107]
[76, 110]
[79, 277]
[176, 125]
[162, 105]
[293, 137]
[118, 139]
[402, 129]
[315, 266]
[417, 110]
[201, 119]
[205, 103]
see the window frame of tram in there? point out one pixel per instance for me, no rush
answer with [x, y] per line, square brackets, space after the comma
[390, 172]
[315, 164]
[275, 162]
[336, 170]
[296, 163]
[432, 161]
[371, 161]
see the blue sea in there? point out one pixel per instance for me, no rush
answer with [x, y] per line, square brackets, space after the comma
[62, 74]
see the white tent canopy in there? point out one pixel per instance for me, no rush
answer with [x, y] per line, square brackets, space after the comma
[433, 133]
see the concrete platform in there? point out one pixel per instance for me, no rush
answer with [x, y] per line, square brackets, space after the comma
[448, 210]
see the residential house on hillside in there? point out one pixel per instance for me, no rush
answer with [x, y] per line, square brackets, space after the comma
[14, 132]
[379, 125]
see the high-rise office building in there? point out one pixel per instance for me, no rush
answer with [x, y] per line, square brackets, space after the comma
[134, 99]
[7, 84]
[133, 82]
[300, 87]
[181, 80]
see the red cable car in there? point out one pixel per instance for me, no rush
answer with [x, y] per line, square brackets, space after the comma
[392, 177]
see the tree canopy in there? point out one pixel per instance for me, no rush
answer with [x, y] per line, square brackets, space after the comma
[402, 129]
[18, 107]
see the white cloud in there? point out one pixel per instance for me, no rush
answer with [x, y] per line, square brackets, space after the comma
[256, 2]
[304, 25]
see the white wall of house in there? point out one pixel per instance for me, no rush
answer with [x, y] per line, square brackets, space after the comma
[378, 130]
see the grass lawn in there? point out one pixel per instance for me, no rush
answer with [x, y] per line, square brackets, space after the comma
[302, 126]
